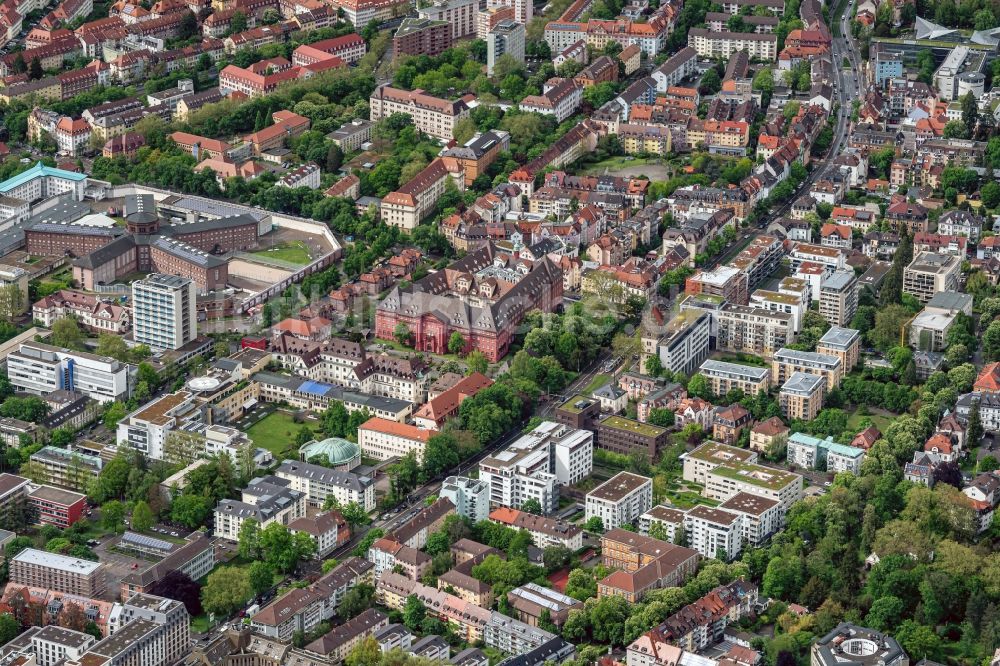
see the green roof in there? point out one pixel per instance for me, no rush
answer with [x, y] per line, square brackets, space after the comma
[570, 405]
[644, 429]
[721, 453]
[756, 475]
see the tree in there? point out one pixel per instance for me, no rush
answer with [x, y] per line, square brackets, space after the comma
[884, 613]
[698, 387]
[440, 455]
[226, 590]
[248, 541]
[355, 514]
[190, 511]
[661, 417]
[532, 506]
[970, 112]
[991, 341]
[402, 334]
[113, 516]
[334, 158]
[974, 431]
[113, 414]
[261, 577]
[595, 525]
[990, 194]
[32, 409]
[11, 301]
[918, 641]
[581, 585]
[9, 628]
[365, 653]
[178, 586]
[238, 22]
[357, 600]
[456, 343]
[477, 362]
[142, 517]
[413, 612]
[35, 71]
[556, 557]
[710, 82]
[66, 332]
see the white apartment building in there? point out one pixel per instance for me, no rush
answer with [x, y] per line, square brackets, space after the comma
[44, 182]
[776, 301]
[383, 439]
[164, 312]
[930, 273]
[729, 479]
[506, 38]
[708, 456]
[813, 453]
[266, 500]
[431, 115]
[317, 483]
[471, 497]
[41, 369]
[714, 532]
[460, 14]
[52, 644]
[724, 377]
[838, 297]
[830, 258]
[761, 516]
[711, 44]
[742, 328]
[683, 344]
[146, 429]
[144, 631]
[307, 175]
[537, 463]
[620, 500]
[786, 362]
[534, 466]
[560, 99]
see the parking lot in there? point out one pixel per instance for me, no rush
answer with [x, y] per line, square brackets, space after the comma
[118, 566]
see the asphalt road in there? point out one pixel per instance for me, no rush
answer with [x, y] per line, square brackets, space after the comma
[847, 88]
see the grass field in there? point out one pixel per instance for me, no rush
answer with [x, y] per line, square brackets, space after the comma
[294, 252]
[878, 420]
[597, 382]
[276, 433]
[627, 167]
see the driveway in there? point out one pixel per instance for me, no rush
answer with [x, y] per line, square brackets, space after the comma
[118, 566]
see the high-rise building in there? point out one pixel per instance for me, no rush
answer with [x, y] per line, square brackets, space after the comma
[506, 38]
[164, 312]
[838, 297]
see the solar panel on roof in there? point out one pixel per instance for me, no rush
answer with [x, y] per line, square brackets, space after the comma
[147, 542]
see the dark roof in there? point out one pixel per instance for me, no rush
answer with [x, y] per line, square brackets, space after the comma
[109, 252]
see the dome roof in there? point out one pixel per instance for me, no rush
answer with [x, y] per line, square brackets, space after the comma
[338, 450]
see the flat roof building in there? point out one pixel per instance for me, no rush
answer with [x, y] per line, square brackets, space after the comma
[620, 500]
[72, 575]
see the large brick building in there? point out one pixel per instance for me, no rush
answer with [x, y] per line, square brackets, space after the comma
[483, 297]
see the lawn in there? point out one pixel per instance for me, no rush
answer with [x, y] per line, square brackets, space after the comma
[294, 252]
[597, 382]
[881, 422]
[200, 624]
[276, 433]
